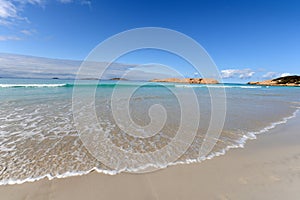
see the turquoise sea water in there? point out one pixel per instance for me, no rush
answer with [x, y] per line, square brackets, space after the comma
[38, 137]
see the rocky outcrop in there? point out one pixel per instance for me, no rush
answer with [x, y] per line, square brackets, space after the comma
[282, 81]
[188, 80]
[118, 79]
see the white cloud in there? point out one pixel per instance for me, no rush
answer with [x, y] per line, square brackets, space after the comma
[285, 74]
[11, 16]
[82, 2]
[6, 37]
[28, 32]
[8, 11]
[86, 2]
[65, 1]
[38, 2]
[270, 75]
[237, 73]
[11, 10]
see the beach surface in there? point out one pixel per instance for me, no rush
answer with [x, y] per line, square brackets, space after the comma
[266, 168]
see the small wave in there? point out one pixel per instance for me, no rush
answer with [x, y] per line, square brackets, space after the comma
[31, 85]
[241, 142]
[273, 125]
[77, 85]
[64, 175]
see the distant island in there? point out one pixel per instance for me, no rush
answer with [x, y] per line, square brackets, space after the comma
[118, 79]
[188, 80]
[282, 81]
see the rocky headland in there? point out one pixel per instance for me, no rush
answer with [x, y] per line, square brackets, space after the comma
[282, 81]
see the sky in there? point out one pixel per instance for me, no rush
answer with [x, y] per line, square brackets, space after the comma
[247, 39]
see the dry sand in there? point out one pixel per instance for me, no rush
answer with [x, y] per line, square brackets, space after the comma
[267, 168]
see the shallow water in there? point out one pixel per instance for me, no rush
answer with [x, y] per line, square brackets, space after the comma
[38, 137]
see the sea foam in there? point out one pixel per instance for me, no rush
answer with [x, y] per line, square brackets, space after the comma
[31, 85]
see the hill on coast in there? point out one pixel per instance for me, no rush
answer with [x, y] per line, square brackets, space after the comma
[282, 81]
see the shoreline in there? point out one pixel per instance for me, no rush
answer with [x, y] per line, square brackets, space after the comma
[241, 144]
[266, 167]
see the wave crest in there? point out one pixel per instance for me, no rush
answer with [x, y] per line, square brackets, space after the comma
[31, 85]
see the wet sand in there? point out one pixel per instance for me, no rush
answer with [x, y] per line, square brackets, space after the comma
[267, 168]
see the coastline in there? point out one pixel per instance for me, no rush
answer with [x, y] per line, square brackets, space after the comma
[266, 168]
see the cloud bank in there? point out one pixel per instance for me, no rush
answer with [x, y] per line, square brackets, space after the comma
[20, 66]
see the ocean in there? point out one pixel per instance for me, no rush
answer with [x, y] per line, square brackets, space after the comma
[39, 137]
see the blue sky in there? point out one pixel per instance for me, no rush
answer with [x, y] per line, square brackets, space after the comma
[248, 40]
